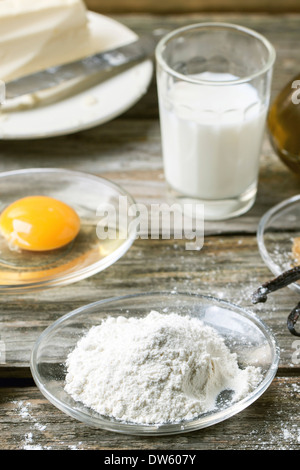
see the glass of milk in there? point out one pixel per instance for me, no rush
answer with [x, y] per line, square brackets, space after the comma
[213, 84]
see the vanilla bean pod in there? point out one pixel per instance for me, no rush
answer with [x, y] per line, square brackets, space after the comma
[292, 319]
[283, 280]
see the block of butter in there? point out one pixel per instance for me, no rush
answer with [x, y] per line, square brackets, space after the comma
[37, 34]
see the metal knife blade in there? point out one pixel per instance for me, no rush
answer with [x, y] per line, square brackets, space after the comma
[133, 52]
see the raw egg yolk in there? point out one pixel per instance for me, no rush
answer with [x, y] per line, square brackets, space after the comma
[39, 223]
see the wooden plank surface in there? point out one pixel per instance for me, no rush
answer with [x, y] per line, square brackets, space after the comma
[226, 267]
[128, 151]
[29, 422]
[194, 6]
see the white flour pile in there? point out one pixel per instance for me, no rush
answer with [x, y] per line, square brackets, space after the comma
[153, 370]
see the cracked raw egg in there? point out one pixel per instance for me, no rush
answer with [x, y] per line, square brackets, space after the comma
[39, 223]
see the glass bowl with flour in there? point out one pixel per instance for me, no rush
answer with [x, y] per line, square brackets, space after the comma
[158, 363]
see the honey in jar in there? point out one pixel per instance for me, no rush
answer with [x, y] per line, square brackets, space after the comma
[284, 124]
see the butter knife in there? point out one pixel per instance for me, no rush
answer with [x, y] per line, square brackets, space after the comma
[108, 60]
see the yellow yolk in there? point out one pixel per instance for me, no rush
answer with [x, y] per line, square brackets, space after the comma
[39, 223]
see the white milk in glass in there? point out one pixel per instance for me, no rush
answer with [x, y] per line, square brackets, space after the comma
[211, 138]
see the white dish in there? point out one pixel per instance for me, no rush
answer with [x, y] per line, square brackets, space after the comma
[74, 108]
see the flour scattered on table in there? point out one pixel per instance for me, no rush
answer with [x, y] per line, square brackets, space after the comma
[28, 443]
[156, 369]
[23, 409]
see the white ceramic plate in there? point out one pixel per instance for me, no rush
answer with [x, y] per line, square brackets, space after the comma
[78, 107]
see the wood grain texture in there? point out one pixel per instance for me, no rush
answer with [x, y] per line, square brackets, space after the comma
[226, 267]
[127, 150]
[195, 6]
[28, 421]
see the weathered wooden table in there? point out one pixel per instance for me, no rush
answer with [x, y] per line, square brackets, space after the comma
[128, 151]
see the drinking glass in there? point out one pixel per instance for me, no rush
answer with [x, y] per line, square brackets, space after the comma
[213, 84]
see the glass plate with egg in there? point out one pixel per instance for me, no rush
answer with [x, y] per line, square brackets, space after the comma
[54, 230]
[278, 237]
[247, 338]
